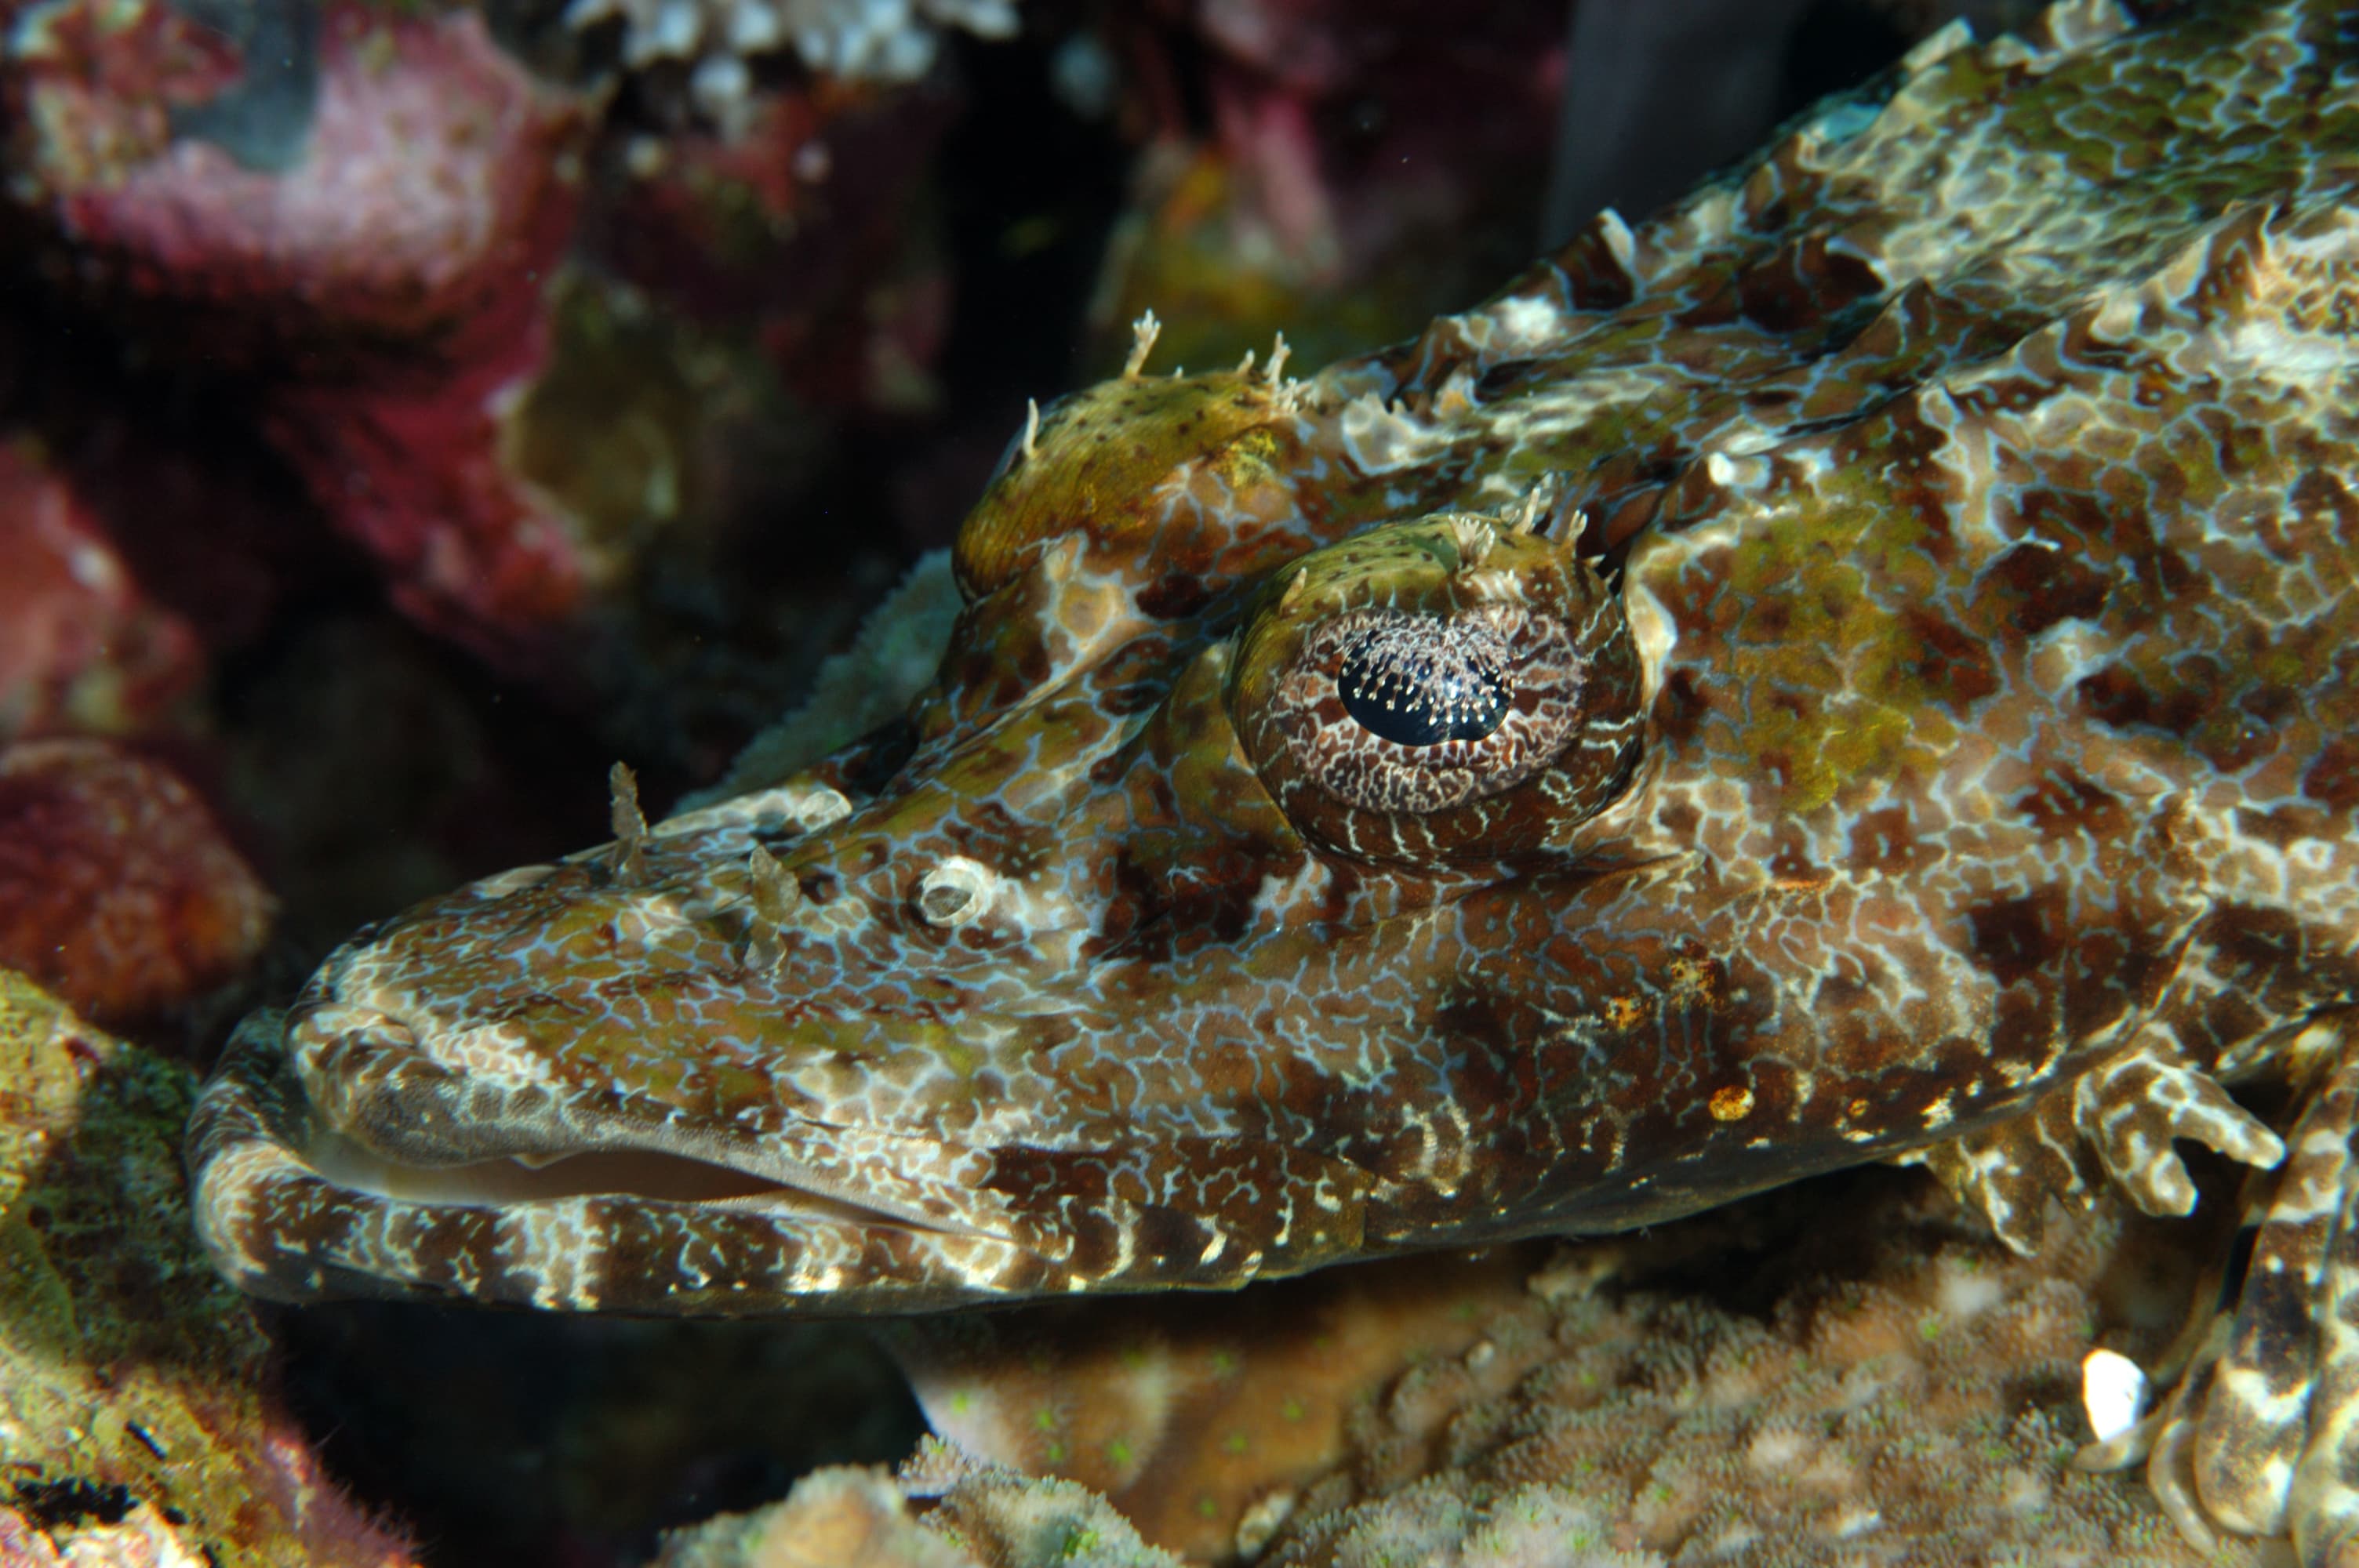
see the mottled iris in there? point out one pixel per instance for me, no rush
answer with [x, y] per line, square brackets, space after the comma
[1421, 681]
[1434, 689]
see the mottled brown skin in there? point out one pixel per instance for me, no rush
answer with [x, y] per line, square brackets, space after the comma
[1921, 569]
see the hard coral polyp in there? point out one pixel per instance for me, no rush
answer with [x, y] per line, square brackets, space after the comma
[983, 1516]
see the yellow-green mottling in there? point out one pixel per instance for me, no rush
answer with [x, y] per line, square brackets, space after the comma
[130, 1376]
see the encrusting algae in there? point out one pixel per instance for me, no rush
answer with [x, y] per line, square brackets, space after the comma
[135, 1424]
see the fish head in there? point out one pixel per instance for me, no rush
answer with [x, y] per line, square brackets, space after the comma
[1123, 960]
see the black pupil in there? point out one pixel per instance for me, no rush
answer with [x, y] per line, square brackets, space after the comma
[1420, 682]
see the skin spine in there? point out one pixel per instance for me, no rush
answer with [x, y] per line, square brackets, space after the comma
[1906, 590]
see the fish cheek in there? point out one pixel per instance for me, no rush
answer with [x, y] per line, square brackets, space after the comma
[1609, 1058]
[1202, 834]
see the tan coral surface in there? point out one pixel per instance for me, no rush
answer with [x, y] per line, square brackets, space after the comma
[1844, 1373]
[1826, 1377]
[852, 1517]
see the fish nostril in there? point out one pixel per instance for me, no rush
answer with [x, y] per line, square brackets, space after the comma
[818, 806]
[955, 892]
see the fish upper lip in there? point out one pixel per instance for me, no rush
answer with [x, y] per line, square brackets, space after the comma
[629, 1172]
[294, 1209]
[396, 1126]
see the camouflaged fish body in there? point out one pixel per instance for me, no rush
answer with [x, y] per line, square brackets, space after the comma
[1857, 666]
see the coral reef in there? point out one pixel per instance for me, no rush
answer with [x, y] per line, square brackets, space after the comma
[794, 235]
[876, 41]
[1334, 185]
[1846, 1372]
[554, 367]
[374, 242]
[82, 645]
[628, 402]
[1339, 192]
[405, 195]
[118, 887]
[142, 1538]
[845, 1518]
[981, 1516]
[1190, 1415]
[134, 1425]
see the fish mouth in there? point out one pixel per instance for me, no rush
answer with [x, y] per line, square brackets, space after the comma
[332, 1156]
[647, 1175]
[523, 1178]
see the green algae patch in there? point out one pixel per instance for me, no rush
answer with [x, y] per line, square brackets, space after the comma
[131, 1375]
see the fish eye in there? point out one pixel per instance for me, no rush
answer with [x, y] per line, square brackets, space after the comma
[1420, 710]
[1419, 681]
[1438, 689]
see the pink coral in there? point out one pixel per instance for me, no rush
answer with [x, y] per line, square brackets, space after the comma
[379, 258]
[426, 186]
[117, 888]
[80, 645]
